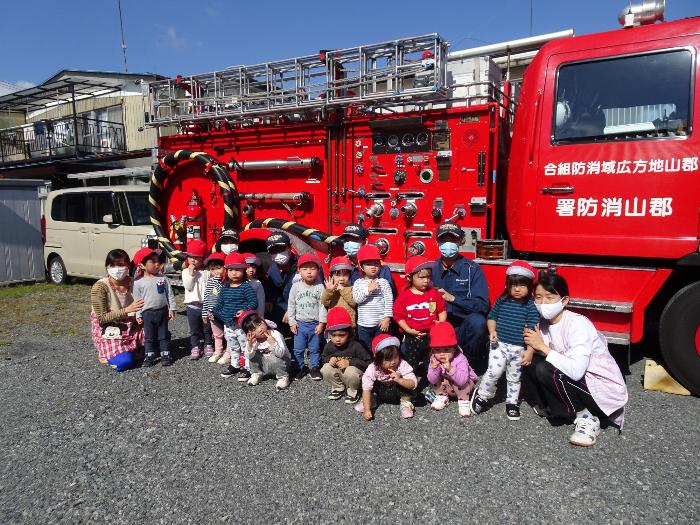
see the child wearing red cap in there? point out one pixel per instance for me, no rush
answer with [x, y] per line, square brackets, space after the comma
[388, 379]
[416, 310]
[373, 297]
[449, 372]
[344, 359]
[194, 279]
[265, 349]
[338, 290]
[512, 312]
[158, 305]
[307, 316]
[215, 267]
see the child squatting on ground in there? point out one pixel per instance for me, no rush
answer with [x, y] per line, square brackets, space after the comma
[449, 373]
[158, 305]
[344, 359]
[307, 316]
[215, 267]
[512, 313]
[194, 281]
[338, 290]
[373, 297]
[235, 296]
[388, 379]
[265, 350]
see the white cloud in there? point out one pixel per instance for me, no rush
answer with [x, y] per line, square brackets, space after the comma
[10, 87]
[170, 39]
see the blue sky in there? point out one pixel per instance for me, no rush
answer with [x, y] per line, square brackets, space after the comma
[42, 37]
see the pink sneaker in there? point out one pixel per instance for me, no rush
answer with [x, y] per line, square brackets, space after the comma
[208, 351]
[196, 353]
[360, 407]
[406, 409]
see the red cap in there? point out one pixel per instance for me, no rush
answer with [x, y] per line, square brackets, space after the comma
[242, 316]
[236, 261]
[308, 258]
[216, 256]
[144, 253]
[341, 263]
[417, 263]
[382, 341]
[251, 258]
[196, 248]
[442, 334]
[521, 268]
[338, 319]
[368, 252]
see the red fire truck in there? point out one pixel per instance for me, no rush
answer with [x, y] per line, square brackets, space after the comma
[594, 170]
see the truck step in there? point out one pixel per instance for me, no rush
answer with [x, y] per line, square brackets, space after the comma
[605, 306]
[617, 338]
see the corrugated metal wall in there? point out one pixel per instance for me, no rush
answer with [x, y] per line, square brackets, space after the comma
[21, 245]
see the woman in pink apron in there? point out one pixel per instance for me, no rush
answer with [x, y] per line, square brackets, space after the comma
[572, 376]
[117, 337]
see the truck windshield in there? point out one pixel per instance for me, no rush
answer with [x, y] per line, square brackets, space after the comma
[627, 98]
[138, 205]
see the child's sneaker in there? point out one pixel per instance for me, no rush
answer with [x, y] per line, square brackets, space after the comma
[360, 406]
[166, 360]
[352, 399]
[208, 351]
[301, 373]
[512, 412]
[315, 374]
[429, 395]
[335, 395]
[149, 361]
[243, 375]
[406, 409]
[195, 353]
[586, 431]
[464, 407]
[478, 403]
[225, 359]
[215, 357]
[282, 383]
[440, 402]
[230, 372]
[255, 379]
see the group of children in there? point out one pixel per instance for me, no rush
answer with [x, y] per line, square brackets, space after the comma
[346, 328]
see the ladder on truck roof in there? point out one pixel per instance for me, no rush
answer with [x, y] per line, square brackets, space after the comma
[407, 69]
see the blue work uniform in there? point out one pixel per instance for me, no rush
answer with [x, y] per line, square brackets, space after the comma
[279, 283]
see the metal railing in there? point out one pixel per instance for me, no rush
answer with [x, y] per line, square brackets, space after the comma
[65, 137]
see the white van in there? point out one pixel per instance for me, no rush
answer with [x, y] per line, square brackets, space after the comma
[83, 224]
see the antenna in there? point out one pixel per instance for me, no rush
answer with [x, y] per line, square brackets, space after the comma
[531, 17]
[121, 27]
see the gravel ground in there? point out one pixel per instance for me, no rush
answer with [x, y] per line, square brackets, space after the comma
[82, 444]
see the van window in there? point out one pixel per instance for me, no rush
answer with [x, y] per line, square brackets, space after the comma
[101, 206]
[70, 207]
[138, 206]
[627, 98]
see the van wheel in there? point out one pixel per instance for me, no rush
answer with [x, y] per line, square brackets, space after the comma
[680, 337]
[57, 271]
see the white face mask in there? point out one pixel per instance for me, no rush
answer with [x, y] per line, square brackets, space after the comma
[118, 273]
[228, 248]
[550, 311]
[281, 257]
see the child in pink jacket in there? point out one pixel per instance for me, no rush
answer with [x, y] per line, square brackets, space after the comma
[449, 373]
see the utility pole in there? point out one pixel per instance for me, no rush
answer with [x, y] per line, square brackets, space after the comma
[121, 26]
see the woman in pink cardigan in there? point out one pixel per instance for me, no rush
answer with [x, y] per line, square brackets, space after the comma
[572, 375]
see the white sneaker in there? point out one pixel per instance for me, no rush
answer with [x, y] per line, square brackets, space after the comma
[254, 379]
[440, 402]
[282, 383]
[586, 431]
[464, 407]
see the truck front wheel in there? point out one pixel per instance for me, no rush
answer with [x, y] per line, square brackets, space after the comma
[680, 337]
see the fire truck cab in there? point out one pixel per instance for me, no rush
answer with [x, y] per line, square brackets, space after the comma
[590, 165]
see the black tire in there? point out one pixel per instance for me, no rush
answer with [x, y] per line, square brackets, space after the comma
[57, 270]
[680, 337]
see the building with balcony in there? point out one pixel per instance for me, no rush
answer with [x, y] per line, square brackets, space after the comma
[85, 125]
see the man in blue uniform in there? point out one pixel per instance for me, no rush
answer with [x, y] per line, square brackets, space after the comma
[280, 277]
[463, 285]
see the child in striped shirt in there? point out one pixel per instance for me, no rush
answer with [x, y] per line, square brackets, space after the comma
[215, 267]
[373, 297]
[512, 312]
[235, 296]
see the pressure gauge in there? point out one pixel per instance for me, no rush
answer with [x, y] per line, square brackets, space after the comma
[408, 139]
[382, 245]
[422, 138]
[393, 141]
[379, 141]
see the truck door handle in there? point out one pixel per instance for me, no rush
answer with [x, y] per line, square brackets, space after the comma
[557, 190]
